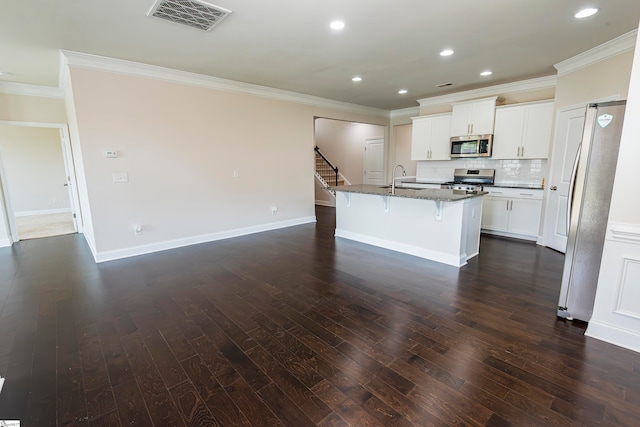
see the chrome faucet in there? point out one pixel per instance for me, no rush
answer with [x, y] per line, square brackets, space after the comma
[393, 178]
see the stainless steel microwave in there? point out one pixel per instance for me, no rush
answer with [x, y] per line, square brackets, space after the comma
[471, 146]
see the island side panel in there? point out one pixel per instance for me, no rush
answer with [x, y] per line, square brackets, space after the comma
[410, 225]
[472, 225]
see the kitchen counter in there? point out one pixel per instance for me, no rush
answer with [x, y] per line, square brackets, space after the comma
[435, 224]
[411, 193]
[523, 186]
[409, 181]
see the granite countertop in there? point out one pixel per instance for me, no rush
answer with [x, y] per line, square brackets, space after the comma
[426, 194]
[495, 185]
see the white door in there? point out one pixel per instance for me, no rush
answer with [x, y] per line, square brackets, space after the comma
[374, 161]
[569, 125]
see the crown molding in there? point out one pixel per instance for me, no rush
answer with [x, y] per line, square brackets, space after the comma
[120, 66]
[405, 112]
[483, 92]
[12, 88]
[624, 43]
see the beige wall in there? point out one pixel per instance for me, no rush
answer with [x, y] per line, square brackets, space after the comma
[34, 168]
[343, 144]
[33, 109]
[180, 145]
[605, 78]
[402, 147]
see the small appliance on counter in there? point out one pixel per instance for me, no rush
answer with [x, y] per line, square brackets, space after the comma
[471, 146]
[470, 179]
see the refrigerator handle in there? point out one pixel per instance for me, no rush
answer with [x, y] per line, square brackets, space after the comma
[572, 184]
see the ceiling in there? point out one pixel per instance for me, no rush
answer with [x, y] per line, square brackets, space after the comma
[287, 44]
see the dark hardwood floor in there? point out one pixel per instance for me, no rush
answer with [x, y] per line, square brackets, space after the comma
[293, 327]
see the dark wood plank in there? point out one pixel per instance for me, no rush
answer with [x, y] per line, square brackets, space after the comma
[290, 328]
[158, 400]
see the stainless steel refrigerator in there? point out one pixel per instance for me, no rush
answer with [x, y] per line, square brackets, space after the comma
[588, 208]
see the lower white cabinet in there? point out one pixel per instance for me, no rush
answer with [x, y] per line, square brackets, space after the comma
[512, 212]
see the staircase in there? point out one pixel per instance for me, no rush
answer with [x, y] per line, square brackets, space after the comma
[327, 173]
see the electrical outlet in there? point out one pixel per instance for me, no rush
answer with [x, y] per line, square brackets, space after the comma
[235, 173]
[120, 177]
[137, 229]
[111, 154]
[274, 210]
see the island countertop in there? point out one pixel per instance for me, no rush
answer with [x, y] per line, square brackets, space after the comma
[426, 194]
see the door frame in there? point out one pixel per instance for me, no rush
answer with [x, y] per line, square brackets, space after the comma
[70, 171]
[545, 211]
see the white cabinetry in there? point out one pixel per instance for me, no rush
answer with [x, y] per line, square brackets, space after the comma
[523, 131]
[430, 137]
[473, 117]
[512, 212]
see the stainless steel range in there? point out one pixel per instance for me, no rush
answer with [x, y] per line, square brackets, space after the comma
[470, 179]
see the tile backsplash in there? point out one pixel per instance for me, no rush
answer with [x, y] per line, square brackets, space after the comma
[507, 171]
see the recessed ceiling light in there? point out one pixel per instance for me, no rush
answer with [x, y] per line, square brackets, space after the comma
[446, 52]
[337, 25]
[356, 79]
[402, 91]
[585, 13]
[486, 73]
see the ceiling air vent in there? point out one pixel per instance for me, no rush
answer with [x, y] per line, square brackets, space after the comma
[193, 13]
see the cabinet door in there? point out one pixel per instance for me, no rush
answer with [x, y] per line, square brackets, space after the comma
[420, 139]
[524, 217]
[462, 118]
[495, 213]
[440, 138]
[484, 113]
[508, 132]
[537, 131]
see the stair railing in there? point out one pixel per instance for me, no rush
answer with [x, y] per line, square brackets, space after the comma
[328, 164]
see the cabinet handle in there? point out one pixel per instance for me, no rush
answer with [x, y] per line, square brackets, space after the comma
[507, 205]
[518, 155]
[430, 154]
[553, 188]
[522, 152]
[511, 207]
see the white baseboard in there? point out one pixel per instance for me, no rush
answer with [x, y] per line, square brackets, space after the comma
[405, 249]
[5, 243]
[512, 235]
[325, 203]
[42, 212]
[188, 241]
[614, 335]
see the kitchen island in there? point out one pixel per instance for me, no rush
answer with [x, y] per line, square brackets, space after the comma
[436, 224]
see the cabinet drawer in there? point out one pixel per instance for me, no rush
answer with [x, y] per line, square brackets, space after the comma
[515, 193]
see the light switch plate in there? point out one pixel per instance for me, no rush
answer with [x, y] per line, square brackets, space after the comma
[120, 177]
[111, 154]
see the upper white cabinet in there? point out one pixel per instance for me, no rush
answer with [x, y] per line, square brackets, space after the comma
[430, 137]
[523, 131]
[473, 117]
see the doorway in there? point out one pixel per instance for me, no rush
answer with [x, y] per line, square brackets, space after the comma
[374, 161]
[567, 138]
[37, 181]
